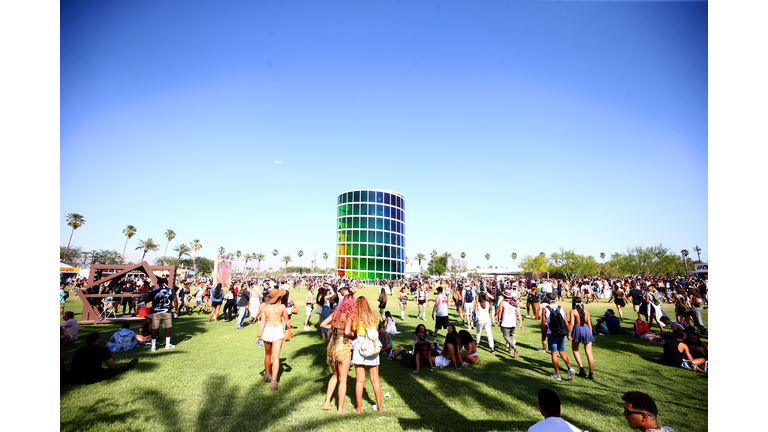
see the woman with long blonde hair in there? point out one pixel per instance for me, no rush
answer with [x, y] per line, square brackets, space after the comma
[365, 320]
[339, 351]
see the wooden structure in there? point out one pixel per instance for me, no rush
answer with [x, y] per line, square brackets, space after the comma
[90, 293]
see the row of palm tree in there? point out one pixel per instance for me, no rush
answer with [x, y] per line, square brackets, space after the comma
[421, 257]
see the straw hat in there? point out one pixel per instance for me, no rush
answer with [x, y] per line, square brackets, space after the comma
[275, 294]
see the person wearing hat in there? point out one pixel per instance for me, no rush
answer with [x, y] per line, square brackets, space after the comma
[272, 321]
[508, 315]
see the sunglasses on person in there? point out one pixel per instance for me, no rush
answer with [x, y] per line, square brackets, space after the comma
[628, 412]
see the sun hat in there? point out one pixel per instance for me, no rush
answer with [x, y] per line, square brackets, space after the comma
[508, 293]
[274, 295]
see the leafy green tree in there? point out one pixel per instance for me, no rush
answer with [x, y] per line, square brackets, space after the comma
[129, 232]
[147, 245]
[648, 261]
[436, 265]
[167, 261]
[75, 221]
[573, 265]
[108, 257]
[531, 264]
[204, 266]
[170, 235]
[74, 256]
[182, 249]
[555, 257]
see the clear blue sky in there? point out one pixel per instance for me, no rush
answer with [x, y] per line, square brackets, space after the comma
[508, 126]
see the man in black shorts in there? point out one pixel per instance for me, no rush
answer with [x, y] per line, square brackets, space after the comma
[441, 307]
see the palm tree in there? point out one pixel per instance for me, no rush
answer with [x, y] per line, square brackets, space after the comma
[300, 254]
[446, 254]
[222, 251]
[406, 260]
[129, 232]
[433, 254]
[247, 257]
[287, 259]
[488, 258]
[259, 257]
[514, 257]
[463, 255]
[182, 249]
[602, 256]
[237, 254]
[325, 257]
[274, 260]
[75, 221]
[684, 252]
[419, 257]
[147, 245]
[196, 246]
[170, 235]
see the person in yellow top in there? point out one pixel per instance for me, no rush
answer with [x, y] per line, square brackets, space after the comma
[273, 319]
[365, 318]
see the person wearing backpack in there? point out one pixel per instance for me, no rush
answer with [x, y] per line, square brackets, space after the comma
[469, 305]
[555, 321]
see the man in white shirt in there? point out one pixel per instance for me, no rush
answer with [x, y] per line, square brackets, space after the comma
[549, 406]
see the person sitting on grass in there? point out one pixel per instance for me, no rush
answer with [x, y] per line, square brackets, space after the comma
[696, 346]
[640, 412]
[125, 339]
[467, 343]
[86, 363]
[69, 328]
[677, 354]
[422, 352]
[450, 353]
[613, 323]
[642, 331]
[550, 408]
[386, 341]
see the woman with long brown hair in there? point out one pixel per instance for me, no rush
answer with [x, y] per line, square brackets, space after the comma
[365, 320]
[339, 351]
[382, 303]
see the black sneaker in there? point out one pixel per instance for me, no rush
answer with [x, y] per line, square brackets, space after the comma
[582, 374]
[132, 363]
[591, 377]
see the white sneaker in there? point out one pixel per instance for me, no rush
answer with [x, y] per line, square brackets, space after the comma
[169, 346]
[152, 349]
[571, 373]
[556, 377]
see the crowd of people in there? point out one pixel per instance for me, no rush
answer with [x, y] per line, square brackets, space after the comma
[358, 334]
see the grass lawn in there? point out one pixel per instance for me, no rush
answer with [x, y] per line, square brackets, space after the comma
[212, 380]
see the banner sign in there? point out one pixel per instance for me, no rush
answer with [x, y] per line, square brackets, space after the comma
[701, 268]
[222, 272]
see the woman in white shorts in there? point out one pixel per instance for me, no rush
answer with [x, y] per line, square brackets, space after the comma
[450, 353]
[272, 325]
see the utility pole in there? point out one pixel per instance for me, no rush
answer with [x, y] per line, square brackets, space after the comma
[698, 251]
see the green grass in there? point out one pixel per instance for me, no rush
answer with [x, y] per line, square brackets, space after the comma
[212, 380]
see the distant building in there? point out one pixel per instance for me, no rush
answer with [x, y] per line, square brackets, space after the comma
[370, 234]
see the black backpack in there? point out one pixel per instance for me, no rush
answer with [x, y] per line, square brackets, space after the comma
[469, 297]
[557, 324]
[409, 360]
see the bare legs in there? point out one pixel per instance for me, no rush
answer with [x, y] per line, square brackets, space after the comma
[588, 352]
[272, 362]
[339, 376]
[373, 375]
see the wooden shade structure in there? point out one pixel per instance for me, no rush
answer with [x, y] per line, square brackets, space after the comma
[91, 315]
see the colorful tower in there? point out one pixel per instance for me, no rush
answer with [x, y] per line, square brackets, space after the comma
[370, 234]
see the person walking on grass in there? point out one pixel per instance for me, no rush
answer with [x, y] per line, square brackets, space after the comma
[555, 321]
[483, 314]
[272, 323]
[508, 316]
[580, 329]
[339, 351]
[366, 321]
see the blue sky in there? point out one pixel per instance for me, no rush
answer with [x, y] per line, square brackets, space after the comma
[508, 126]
